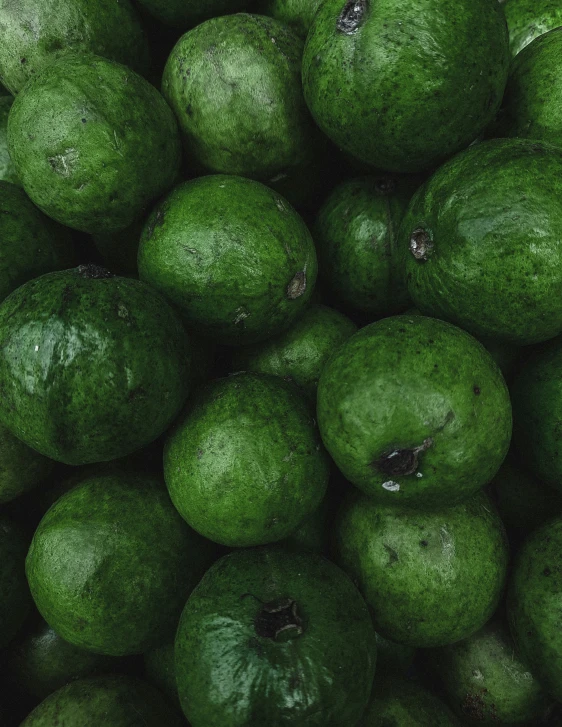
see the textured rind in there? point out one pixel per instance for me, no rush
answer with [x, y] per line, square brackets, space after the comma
[397, 703]
[322, 678]
[528, 19]
[297, 14]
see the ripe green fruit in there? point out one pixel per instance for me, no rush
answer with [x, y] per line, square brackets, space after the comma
[529, 19]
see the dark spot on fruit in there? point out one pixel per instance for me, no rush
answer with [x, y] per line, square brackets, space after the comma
[189, 110]
[23, 61]
[546, 572]
[421, 244]
[392, 554]
[351, 16]
[137, 393]
[83, 121]
[477, 390]
[401, 461]
[297, 286]
[474, 707]
[424, 543]
[94, 272]
[279, 620]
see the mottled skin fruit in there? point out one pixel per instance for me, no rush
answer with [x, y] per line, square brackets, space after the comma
[33, 34]
[111, 701]
[534, 604]
[75, 135]
[245, 465]
[234, 84]
[486, 681]
[111, 564]
[403, 85]
[397, 703]
[32, 244]
[431, 578]
[481, 239]
[531, 107]
[269, 617]
[298, 14]
[537, 414]
[7, 169]
[414, 411]
[183, 14]
[21, 468]
[528, 19]
[15, 603]
[232, 255]
[301, 352]
[91, 367]
[355, 235]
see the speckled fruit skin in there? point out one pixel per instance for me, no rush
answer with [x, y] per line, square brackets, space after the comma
[245, 464]
[297, 14]
[91, 368]
[487, 682]
[33, 34]
[431, 578]
[355, 235]
[16, 601]
[21, 468]
[7, 169]
[321, 677]
[234, 84]
[301, 352]
[537, 413]
[533, 96]
[111, 564]
[112, 701]
[528, 19]
[397, 703]
[182, 14]
[419, 385]
[232, 255]
[402, 85]
[534, 604]
[93, 143]
[490, 222]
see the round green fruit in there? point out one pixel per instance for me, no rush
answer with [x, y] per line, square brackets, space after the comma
[93, 143]
[232, 255]
[431, 578]
[293, 630]
[297, 14]
[245, 464]
[529, 19]
[414, 411]
[15, 603]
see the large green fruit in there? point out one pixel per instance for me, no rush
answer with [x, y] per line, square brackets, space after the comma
[93, 143]
[297, 14]
[245, 465]
[21, 468]
[403, 84]
[234, 84]
[92, 367]
[112, 701]
[111, 564]
[273, 638]
[529, 19]
[33, 34]
[232, 255]
[414, 411]
[431, 578]
[481, 241]
[534, 604]
[182, 14]
[16, 601]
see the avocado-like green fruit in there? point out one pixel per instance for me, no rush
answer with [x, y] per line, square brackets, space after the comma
[234, 84]
[34, 34]
[297, 14]
[7, 169]
[292, 629]
[15, 603]
[111, 564]
[431, 578]
[486, 681]
[480, 241]
[183, 14]
[40, 662]
[21, 468]
[245, 465]
[111, 701]
[537, 401]
[232, 255]
[160, 668]
[301, 352]
[391, 82]
[92, 366]
[529, 19]
[397, 702]
[414, 411]
[93, 143]
[531, 107]
[393, 658]
[534, 607]
[355, 235]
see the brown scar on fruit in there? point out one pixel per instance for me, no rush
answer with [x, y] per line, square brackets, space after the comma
[401, 462]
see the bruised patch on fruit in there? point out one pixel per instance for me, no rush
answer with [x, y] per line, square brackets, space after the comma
[297, 286]
[401, 462]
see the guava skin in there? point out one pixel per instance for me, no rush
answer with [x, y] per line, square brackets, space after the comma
[529, 19]
[415, 412]
[297, 14]
[480, 241]
[306, 673]
[232, 255]
[111, 564]
[91, 367]
[397, 702]
[182, 14]
[244, 466]
[431, 578]
[534, 604]
[7, 170]
[74, 135]
[33, 34]
[403, 85]
[16, 600]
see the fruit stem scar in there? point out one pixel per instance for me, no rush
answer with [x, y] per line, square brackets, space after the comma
[421, 244]
[279, 620]
[351, 16]
[94, 272]
[401, 461]
[297, 286]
